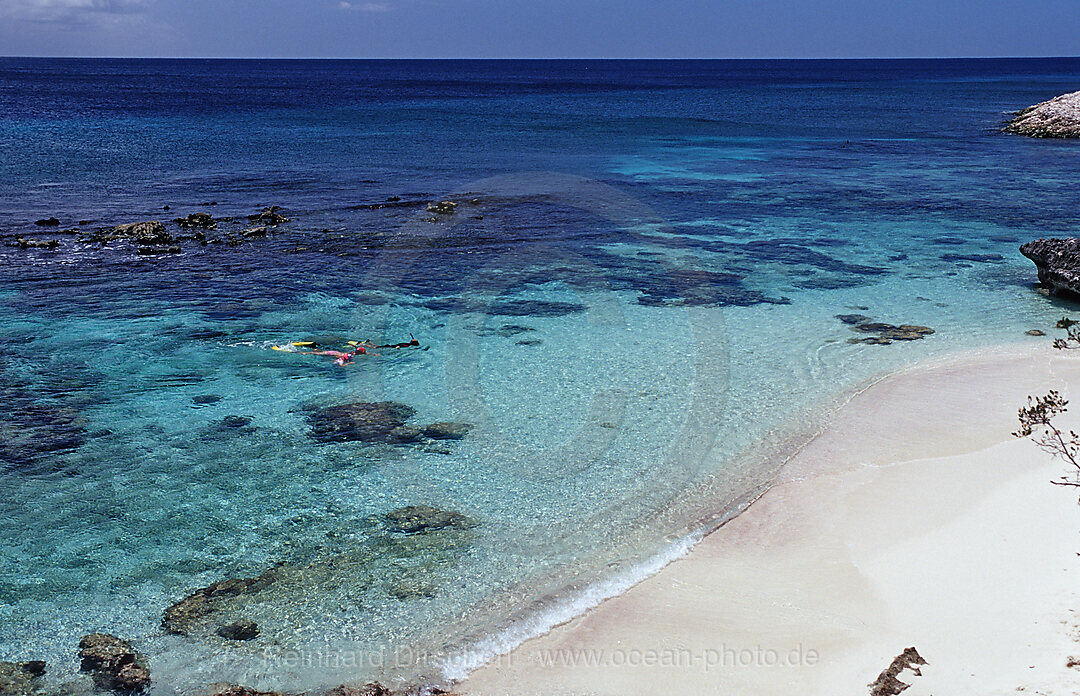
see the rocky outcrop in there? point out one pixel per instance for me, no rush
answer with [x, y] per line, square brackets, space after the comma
[113, 663]
[148, 232]
[152, 232]
[1056, 118]
[884, 333]
[195, 610]
[157, 238]
[21, 678]
[153, 237]
[442, 207]
[1057, 262]
[24, 243]
[203, 221]
[417, 519]
[268, 216]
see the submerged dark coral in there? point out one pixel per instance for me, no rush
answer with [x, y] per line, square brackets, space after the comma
[32, 433]
[533, 308]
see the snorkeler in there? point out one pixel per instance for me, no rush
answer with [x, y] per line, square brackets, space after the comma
[412, 343]
[341, 358]
[344, 357]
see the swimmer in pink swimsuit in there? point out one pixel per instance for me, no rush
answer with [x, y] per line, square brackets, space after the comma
[341, 358]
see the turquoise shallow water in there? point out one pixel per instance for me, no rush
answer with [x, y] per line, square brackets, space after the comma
[633, 304]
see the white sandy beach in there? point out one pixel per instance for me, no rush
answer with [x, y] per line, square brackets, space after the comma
[915, 519]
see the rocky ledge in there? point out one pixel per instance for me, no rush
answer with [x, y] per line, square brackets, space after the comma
[884, 334]
[113, 664]
[153, 237]
[1057, 118]
[184, 616]
[1058, 263]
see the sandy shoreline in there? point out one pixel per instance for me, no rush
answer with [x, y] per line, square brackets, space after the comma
[914, 519]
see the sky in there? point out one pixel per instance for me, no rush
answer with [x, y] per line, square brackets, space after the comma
[540, 28]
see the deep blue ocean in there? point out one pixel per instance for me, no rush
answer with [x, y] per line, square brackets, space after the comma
[629, 312]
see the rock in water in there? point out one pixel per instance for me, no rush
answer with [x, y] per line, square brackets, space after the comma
[1058, 263]
[131, 678]
[383, 422]
[447, 430]
[23, 243]
[156, 251]
[442, 207]
[415, 519]
[239, 630]
[1057, 118]
[235, 421]
[113, 663]
[268, 216]
[20, 678]
[197, 221]
[886, 333]
[186, 615]
[151, 232]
